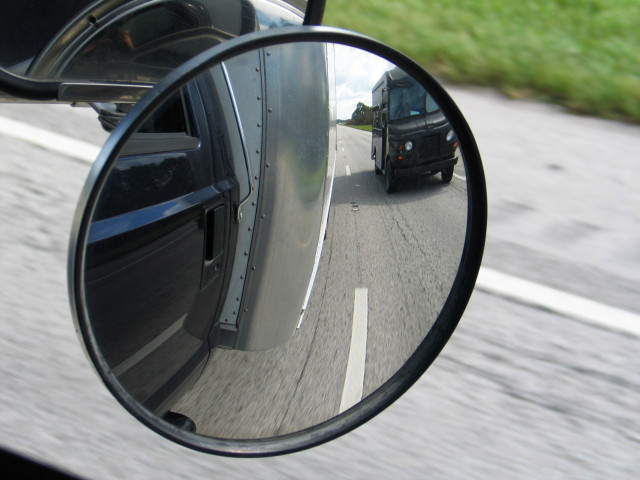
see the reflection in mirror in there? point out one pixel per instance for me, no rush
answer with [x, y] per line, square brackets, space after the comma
[213, 291]
[126, 40]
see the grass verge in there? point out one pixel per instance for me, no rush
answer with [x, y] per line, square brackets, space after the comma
[366, 128]
[582, 54]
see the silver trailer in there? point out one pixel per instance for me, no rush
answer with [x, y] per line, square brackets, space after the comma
[286, 120]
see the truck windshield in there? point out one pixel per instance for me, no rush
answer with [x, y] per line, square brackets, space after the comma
[409, 101]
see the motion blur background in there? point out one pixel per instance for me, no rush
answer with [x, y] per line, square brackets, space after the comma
[521, 390]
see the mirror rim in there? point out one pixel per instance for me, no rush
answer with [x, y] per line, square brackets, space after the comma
[430, 346]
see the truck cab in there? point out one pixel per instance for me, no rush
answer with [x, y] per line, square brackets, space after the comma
[410, 134]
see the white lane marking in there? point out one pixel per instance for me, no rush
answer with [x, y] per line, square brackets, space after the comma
[574, 306]
[148, 348]
[460, 177]
[348, 170]
[354, 378]
[51, 141]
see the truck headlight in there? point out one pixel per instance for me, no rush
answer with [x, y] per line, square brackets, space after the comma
[408, 146]
[450, 135]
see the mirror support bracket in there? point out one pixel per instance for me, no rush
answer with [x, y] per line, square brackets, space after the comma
[68, 92]
[101, 92]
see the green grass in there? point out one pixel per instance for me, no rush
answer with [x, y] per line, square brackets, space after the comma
[582, 54]
[366, 128]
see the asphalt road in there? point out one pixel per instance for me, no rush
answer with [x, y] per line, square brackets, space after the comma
[519, 391]
[405, 277]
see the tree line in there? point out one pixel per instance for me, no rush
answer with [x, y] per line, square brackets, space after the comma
[362, 115]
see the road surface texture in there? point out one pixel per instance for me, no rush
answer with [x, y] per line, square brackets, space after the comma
[519, 392]
[405, 275]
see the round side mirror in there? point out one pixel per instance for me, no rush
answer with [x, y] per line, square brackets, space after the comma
[257, 266]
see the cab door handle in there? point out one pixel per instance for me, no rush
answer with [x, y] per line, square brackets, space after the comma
[215, 229]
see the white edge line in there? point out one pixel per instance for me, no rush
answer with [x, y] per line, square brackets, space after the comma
[574, 306]
[348, 170]
[69, 147]
[354, 376]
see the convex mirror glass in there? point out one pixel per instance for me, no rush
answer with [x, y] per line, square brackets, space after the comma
[277, 241]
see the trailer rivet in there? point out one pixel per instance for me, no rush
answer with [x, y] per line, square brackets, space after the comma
[259, 97]
[259, 124]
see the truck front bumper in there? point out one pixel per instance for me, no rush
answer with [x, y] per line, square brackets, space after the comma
[430, 168]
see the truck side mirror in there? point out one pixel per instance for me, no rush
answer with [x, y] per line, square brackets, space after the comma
[242, 285]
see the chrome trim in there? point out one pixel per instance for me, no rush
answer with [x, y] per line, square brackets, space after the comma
[243, 140]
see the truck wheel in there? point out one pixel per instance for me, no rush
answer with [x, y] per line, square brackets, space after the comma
[389, 177]
[447, 174]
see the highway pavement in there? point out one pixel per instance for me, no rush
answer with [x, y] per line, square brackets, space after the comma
[403, 278]
[520, 391]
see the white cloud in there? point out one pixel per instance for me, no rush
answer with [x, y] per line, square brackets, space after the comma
[357, 71]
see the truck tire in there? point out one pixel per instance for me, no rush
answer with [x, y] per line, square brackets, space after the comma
[447, 174]
[389, 177]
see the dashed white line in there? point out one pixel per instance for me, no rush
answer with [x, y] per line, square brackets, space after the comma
[348, 170]
[354, 377]
[560, 302]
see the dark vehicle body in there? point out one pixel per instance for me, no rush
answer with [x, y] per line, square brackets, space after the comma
[183, 226]
[162, 240]
[410, 137]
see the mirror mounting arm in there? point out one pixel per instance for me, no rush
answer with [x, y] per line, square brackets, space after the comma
[315, 12]
[36, 90]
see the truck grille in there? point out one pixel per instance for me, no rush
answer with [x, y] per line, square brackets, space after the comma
[430, 147]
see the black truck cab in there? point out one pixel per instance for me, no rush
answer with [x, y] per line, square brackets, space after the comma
[410, 134]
